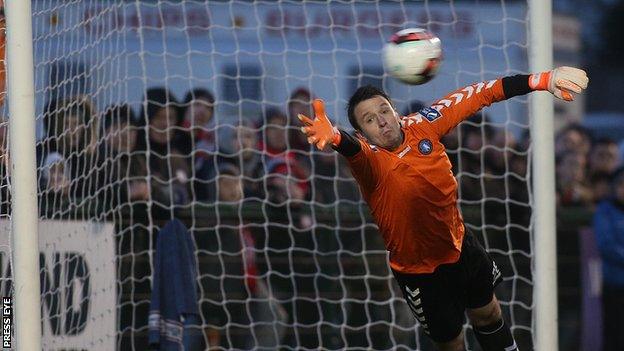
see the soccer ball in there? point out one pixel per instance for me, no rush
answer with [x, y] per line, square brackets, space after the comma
[412, 55]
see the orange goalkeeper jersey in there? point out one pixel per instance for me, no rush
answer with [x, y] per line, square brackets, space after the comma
[411, 191]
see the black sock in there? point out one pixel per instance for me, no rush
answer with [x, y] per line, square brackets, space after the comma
[495, 337]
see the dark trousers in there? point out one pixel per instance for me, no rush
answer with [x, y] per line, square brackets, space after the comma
[612, 318]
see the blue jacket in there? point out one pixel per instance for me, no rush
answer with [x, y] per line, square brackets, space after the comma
[174, 313]
[609, 231]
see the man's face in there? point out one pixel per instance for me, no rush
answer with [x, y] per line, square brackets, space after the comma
[379, 122]
[122, 137]
[572, 167]
[200, 112]
[572, 140]
[230, 188]
[276, 133]
[73, 131]
[247, 141]
[160, 125]
[604, 158]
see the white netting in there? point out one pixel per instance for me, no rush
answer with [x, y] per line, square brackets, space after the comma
[150, 110]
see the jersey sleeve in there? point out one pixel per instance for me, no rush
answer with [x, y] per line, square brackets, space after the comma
[364, 166]
[448, 112]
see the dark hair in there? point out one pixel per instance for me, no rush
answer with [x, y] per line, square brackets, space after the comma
[301, 91]
[199, 93]
[604, 141]
[56, 111]
[157, 98]
[362, 94]
[196, 94]
[273, 112]
[576, 128]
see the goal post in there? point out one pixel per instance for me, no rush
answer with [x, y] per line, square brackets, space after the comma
[24, 215]
[288, 256]
[544, 233]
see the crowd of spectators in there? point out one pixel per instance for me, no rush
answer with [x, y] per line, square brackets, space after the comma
[584, 166]
[173, 153]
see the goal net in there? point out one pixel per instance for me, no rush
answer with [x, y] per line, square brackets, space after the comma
[153, 110]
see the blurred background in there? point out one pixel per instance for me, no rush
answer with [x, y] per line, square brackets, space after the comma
[149, 111]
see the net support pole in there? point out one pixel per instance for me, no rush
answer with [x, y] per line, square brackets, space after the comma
[543, 178]
[24, 216]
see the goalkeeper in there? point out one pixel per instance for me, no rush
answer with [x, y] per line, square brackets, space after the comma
[405, 177]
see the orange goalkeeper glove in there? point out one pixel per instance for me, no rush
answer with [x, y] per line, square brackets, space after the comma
[319, 131]
[561, 82]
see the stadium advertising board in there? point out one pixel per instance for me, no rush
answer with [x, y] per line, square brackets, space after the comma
[77, 260]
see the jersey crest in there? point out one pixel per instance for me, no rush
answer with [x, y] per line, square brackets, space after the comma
[425, 146]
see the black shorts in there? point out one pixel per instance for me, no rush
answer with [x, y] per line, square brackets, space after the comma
[438, 300]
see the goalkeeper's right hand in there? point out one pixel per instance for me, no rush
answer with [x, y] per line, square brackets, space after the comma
[319, 131]
[560, 82]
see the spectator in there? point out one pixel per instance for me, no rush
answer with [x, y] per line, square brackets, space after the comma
[275, 141]
[604, 157]
[609, 231]
[240, 147]
[122, 170]
[69, 148]
[299, 102]
[197, 115]
[169, 170]
[282, 188]
[572, 186]
[276, 151]
[573, 138]
[194, 138]
[56, 175]
[247, 137]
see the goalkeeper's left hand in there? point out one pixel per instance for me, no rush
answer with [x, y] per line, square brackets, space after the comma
[561, 82]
